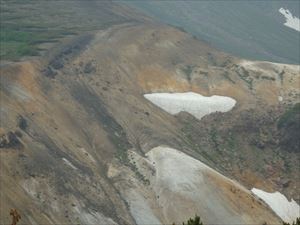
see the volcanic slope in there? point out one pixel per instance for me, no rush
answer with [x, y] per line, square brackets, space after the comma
[75, 129]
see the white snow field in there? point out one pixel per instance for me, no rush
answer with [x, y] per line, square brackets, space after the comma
[287, 211]
[191, 102]
[185, 186]
[140, 210]
[291, 21]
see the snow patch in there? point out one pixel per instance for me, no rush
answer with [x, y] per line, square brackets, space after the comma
[67, 162]
[191, 102]
[184, 187]
[140, 210]
[176, 169]
[19, 92]
[288, 211]
[291, 21]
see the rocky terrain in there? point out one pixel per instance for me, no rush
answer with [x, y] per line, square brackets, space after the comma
[80, 144]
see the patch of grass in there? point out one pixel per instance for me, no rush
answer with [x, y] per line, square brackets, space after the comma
[28, 23]
[138, 174]
[14, 50]
[208, 157]
[289, 116]
[16, 43]
[188, 131]
[244, 75]
[188, 69]
[268, 78]
[214, 138]
[226, 75]
[231, 142]
[281, 76]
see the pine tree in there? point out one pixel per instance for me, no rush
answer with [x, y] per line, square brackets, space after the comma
[195, 221]
[297, 222]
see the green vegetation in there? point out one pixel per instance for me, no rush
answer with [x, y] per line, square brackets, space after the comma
[188, 69]
[193, 221]
[16, 43]
[17, 39]
[281, 76]
[268, 78]
[138, 174]
[244, 75]
[122, 146]
[227, 76]
[214, 138]
[191, 139]
[297, 222]
[27, 24]
[290, 116]
[188, 130]
[197, 221]
[231, 142]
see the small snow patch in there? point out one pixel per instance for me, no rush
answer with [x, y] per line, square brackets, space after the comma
[19, 92]
[67, 162]
[288, 211]
[291, 21]
[191, 102]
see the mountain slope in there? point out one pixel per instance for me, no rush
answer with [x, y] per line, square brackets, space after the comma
[75, 123]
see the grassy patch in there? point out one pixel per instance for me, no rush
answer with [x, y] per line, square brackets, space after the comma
[188, 130]
[14, 50]
[138, 174]
[16, 42]
[281, 74]
[231, 142]
[289, 116]
[188, 69]
[244, 75]
[28, 23]
[227, 76]
[214, 138]
[268, 78]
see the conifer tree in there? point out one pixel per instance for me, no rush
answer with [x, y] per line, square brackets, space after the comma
[195, 221]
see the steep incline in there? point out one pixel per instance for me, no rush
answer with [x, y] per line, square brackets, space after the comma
[184, 186]
[71, 121]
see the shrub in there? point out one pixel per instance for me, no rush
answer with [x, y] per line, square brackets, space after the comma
[296, 222]
[195, 221]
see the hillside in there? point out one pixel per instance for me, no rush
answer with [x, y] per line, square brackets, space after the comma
[81, 144]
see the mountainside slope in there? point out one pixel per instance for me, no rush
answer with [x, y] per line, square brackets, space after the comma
[73, 122]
